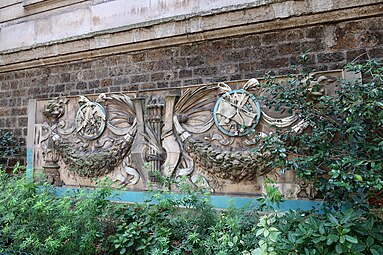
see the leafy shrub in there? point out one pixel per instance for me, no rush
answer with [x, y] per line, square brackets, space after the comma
[8, 147]
[342, 148]
[350, 232]
[164, 227]
[7, 144]
[35, 220]
[142, 229]
[182, 224]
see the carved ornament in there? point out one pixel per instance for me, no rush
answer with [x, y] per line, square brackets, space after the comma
[212, 135]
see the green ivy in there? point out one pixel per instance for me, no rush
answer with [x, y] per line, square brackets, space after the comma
[8, 145]
[341, 151]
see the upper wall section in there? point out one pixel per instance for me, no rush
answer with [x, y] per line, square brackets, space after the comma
[30, 22]
[40, 32]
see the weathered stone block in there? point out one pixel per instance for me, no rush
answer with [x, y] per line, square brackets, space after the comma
[331, 57]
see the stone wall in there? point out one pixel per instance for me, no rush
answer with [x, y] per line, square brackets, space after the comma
[226, 56]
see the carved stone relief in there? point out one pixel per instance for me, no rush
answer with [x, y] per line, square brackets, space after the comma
[237, 112]
[90, 119]
[207, 134]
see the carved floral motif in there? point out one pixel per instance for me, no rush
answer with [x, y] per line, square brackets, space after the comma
[53, 111]
[97, 158]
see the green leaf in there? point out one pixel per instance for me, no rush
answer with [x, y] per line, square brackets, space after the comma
[333, 219]
[358, 177]
[291, 237]
[332, 239]
[259, 232]
[351, 239]
[369, 241]
[273, 229]
[339, 248]
[321, 229]
[342, 239]
[266, 233]
[274, 236]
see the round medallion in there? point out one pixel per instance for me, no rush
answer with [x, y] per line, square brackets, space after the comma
[90, 120]
[237, 113]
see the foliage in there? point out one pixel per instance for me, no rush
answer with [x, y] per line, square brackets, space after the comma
[35, 220]
[141, 229]
[164, 227]
[7, 144]
[294, 233]
[342, 148]
[271, 199]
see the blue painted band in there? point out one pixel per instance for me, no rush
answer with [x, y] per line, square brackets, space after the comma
[29, 169]
[219, 202]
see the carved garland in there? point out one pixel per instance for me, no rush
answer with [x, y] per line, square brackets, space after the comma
[236, 166]
[87, 163]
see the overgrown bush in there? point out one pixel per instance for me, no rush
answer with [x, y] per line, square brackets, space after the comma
[35, 220]
[295, 233]
[8, 147]
[179, 224]
[7, 144]
[341, 151]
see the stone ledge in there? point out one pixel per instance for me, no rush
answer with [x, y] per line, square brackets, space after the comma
[45, 23]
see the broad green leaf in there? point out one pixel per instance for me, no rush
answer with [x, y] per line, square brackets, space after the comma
[339, 248]
[291, 237]
[358, 177]
[266, 233]
[342, 239]
[351, 239]
[333, 219]
[374, 252]
[259, 232]
[273, 229]
[332, 239]
[369, 241]
[274, 236]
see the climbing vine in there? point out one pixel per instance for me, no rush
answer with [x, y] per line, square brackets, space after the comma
[341, 150]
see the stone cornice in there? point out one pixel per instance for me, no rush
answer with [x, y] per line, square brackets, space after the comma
[175, 32]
